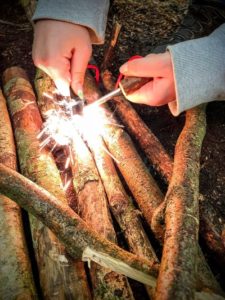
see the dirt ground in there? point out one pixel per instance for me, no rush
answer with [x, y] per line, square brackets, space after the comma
[144, 26]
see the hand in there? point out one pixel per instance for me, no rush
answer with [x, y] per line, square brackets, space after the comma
[159, 91]
[62, 50]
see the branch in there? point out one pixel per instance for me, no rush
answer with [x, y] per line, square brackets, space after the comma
[80, 240]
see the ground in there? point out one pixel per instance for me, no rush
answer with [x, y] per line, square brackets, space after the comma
[144, 26]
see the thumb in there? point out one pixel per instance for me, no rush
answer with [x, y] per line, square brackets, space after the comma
[148, 66]
[79, 64]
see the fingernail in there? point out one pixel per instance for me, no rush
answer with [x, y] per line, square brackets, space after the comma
[80, 94]
[124, 68]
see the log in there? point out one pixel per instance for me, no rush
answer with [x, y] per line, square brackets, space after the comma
[60, 276]
[121, 206]
[177, 276]
[79, 238]
[91, 202]
[141, 133]
[15, 272]
[93, 209]
[135, 173]
[127, 216]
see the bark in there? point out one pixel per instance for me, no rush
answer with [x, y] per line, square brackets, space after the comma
[206, 278]
[211, 229]
[59, 276]
[127, 216]
[135, 173]
[148, 142]
[79, 238]
[93, 209]
[15, 273]
[177, 277]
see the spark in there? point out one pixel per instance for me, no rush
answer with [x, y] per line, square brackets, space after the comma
[47, 95]
[67, 162]
[63, 123]
[67, 184]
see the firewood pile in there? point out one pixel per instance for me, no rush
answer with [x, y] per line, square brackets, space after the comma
[64, 238]
[76, 208]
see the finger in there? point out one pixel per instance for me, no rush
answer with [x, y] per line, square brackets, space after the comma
[79, 64]
[149, 66]
[155, 93]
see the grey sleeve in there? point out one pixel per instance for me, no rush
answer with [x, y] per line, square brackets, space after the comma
[91, 14]
[199, 71]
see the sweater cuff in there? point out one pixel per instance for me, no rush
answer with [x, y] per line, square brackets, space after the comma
[199, 71]
[91, 14]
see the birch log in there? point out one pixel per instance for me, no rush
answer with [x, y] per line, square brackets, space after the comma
[15, 270]
[93, 209]
[121, 206]
[60, 277]
[91, 200]
[177, 277]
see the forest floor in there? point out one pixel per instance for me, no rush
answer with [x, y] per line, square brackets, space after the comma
[143, 27]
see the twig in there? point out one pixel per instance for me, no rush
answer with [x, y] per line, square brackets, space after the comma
[110, 49]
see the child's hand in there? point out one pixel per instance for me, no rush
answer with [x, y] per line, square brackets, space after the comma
[159, 91]
[62, 50]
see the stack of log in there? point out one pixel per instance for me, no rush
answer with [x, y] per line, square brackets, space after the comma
[69, 229]
[66, 245]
